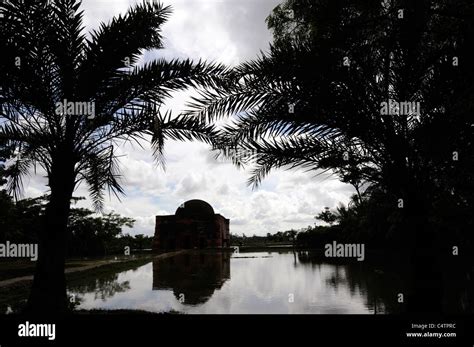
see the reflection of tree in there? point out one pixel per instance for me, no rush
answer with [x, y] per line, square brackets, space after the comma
[378, 288]
[103, 287]
[13, 299]
[459, 285]
[195, 275]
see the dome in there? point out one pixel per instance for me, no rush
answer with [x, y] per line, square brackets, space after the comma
[198, 209]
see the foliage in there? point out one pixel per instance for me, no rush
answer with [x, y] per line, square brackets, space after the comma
[90, 234]
[327, 216]
[314, 102]
[47, 60]
[58, 62]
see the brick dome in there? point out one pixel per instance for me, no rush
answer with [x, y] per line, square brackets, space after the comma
[197, 209]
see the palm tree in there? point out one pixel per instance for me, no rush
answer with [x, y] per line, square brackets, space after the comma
[301, 106]
[314, 101]
[48, 64]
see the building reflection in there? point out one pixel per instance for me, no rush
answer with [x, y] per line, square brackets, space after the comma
[194, 276]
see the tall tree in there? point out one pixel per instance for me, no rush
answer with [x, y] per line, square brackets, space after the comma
[68, 98]
[362, 88]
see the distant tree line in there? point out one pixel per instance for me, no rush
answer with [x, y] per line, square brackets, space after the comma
[368, 219]
[278, 238]
[91, 234]
[372, 219]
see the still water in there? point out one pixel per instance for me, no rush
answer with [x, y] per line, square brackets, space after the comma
[263, 282]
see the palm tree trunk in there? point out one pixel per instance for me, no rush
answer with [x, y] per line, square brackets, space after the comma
[48, 294]
[356, 186]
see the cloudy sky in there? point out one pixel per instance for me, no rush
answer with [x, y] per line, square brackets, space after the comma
[227, 31]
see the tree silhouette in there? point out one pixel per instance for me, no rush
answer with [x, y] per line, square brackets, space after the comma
[327, 216]
[47, 59]
[319, 100]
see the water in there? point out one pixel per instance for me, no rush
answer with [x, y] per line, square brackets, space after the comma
[263, 282]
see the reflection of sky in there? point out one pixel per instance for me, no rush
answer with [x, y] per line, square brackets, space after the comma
[257, 285]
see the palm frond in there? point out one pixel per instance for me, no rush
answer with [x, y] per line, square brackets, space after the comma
[100, 170]
[117, 46]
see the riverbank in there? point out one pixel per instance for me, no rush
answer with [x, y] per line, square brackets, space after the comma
[15, 291]
[15, 271]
